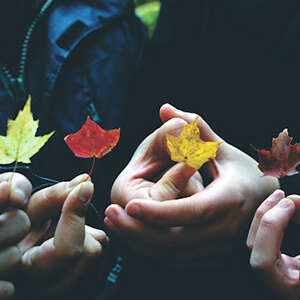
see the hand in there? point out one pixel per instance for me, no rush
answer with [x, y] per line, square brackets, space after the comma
[14, 225]
[280, 272]
[54, 263]
[202, 225]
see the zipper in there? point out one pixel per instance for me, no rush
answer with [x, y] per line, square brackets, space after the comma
[16, 85]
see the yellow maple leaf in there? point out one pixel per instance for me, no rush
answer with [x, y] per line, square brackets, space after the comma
[189, 148]
[20, 142]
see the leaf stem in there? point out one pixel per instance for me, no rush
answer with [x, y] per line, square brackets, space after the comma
[13, 172]
[94, 159]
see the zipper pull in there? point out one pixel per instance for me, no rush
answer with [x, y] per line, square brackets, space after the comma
[19, 89]
[14, 86]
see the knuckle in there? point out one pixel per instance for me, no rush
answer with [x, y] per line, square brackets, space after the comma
[22, 220]
[93, 250]
[167, 189]
[259, 264]
[74, 251]
[260, 213]
[79, 210]
[101, 236]
[172, 187]
[10, 259]
[14, 255]
[269, 222]
[7, 290]
[14, 224]
[55, 193]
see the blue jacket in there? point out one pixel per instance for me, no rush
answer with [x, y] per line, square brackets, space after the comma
[79, 58]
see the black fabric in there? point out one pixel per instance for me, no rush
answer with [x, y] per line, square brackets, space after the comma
[236, 64]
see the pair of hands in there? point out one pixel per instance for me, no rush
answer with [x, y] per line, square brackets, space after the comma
[164, 212]
[279, 271]
[40, 258]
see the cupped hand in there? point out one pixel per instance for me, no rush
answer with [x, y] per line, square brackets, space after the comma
[279, 272]
[58, 254]
[189, 225]
[15, 190]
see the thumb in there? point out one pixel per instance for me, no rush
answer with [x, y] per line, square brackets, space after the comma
[154, 145]
[72, 219]
[172, 183]
[168, 112]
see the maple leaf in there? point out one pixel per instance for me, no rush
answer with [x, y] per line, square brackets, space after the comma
[189, 148]
[282, 159]
[20, 142]
[92, 140]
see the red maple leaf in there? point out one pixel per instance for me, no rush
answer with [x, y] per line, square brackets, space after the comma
[282, 159]
[92, 140]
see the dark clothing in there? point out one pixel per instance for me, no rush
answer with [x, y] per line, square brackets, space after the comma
[81, 56]
[75, 58]
[236, 63]
[233, 62]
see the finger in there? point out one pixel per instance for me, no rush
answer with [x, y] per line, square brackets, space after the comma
[194, 185]
[69, 237]
[97, 234]
[128, 228]
[10, 258]
[197, 209]
[72, 219]
[150, 160]
[268, 239]
[172, 182]
[296, 200]
[270, 202]
[34, 236]
[14, 225]
[168, 112]
[92, 247]
[176, 246]
[4, 195]
[156, 142]
[7, 290]
[48, 202]
[15, 190]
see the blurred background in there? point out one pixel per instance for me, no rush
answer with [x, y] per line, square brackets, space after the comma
[148, 11]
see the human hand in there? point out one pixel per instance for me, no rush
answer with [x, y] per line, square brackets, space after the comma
[14, 225]
[53, 262]
[279, 272]
[202, 225]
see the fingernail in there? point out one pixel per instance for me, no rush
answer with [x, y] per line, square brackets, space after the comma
[133, 210]
[111, 215]
[285, 203]
[276, 196]
[19, 195]
[77, 180]
[109, 224]
[85, 192]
